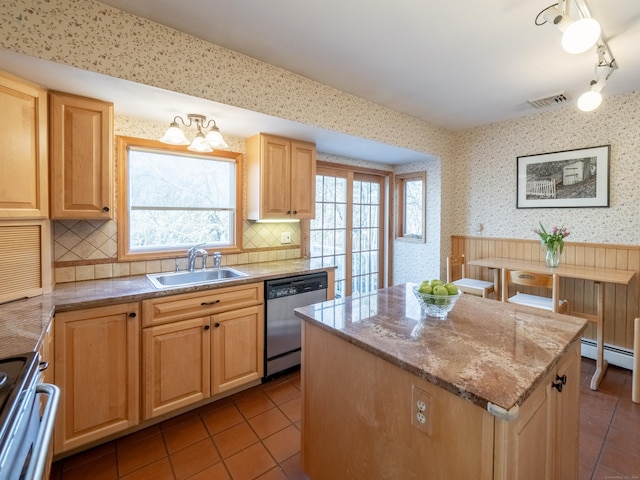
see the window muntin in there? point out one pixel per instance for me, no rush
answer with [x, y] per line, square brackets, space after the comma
[174, 199]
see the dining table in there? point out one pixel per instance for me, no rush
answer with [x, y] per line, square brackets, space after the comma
[598, 275]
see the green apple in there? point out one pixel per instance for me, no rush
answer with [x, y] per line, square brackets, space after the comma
[435, 282]
[451, 288]
[440, 290]
[425, 287]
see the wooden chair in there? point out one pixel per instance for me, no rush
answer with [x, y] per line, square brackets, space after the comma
[467, 285]
[530, 279]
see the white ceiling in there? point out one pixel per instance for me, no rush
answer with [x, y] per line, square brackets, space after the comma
[456, 64]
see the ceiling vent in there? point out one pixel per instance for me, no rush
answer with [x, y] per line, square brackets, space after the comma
[555, 99]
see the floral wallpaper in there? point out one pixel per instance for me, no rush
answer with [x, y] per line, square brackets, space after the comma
[485, 173]
[471, 174]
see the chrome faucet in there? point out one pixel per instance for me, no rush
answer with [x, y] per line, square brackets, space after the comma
[217, 258]
[193, 253]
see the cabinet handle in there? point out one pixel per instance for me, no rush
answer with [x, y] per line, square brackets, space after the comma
[207, 327]
[105, 209]
[559, 382]
[204, 304]
[132, 314]
[217, 324]
[295, 212]
[288, 212]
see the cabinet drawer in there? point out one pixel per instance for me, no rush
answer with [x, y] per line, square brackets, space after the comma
[177, 307]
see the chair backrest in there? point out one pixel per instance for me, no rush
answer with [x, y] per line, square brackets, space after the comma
[455, 262]
[531, 279]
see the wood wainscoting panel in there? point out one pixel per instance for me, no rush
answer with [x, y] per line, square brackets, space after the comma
[622, 302]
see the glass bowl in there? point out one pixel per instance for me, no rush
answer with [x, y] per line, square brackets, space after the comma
[437, 306]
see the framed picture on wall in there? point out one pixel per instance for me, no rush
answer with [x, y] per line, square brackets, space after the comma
[567, 179]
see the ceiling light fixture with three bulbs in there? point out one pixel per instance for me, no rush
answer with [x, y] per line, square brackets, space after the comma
[201, 143]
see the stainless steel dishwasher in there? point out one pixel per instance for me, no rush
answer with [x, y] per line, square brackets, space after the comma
[282, 326]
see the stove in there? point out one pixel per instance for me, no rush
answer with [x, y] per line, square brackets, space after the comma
[25, 432]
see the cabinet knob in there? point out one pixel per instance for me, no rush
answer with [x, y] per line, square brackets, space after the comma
[105, 209]
[217, 324]
[207, 327]
[288, 212]
[295, 212]
[559, 382]
[132, 314]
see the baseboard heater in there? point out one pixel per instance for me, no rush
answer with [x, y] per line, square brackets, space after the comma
[621, 357]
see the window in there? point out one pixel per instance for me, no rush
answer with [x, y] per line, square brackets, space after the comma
[171, 199]
[411, 195]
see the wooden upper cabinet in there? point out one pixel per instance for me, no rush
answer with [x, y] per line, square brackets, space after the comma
[81, 157]
[281, 178]
[23, 149]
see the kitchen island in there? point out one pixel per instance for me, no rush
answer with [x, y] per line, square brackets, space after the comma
[491, 392]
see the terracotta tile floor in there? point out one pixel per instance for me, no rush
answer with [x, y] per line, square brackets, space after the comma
[256, 435]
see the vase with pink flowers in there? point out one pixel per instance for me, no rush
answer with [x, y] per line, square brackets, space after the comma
[553, 242]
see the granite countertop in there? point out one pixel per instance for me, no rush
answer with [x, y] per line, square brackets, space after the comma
[485, 351]
[23, 322]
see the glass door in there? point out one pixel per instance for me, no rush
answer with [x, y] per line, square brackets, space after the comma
[347, 231]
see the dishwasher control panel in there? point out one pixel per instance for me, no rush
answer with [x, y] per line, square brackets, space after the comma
[295, 286]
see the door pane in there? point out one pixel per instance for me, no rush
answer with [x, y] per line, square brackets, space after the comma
[365, 248]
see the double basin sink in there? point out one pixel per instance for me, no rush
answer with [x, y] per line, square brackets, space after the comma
[197, 277]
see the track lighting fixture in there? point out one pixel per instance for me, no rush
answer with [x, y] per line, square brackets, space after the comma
[592, 98]
[201, 143]
[578, 37]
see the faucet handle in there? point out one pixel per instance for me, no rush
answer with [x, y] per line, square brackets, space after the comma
[195, 247]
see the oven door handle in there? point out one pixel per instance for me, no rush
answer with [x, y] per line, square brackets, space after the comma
[41, 446]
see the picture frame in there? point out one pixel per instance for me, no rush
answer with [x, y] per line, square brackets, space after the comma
[566, 179]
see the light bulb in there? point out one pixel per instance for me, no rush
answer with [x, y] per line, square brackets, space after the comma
[214, 138]
[581, 35]
[199, 144]
[589, 101]
[174, 136]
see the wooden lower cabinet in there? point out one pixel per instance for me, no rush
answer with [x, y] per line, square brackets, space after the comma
[199, 345]
[542, 442]
[97, 365]
[349, 390]
[176, 365]
[237, 348]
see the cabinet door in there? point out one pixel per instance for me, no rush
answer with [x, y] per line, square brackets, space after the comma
[237, 351]
[567, 416]
[97, 358]
[176, 365]
[81, 157]
[276, 177]
[523, 445]
[23, 149]
[303, 180]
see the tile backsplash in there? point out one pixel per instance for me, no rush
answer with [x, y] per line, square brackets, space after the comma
[87, 250]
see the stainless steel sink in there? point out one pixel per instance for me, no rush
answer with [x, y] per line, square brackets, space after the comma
[198, 277]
